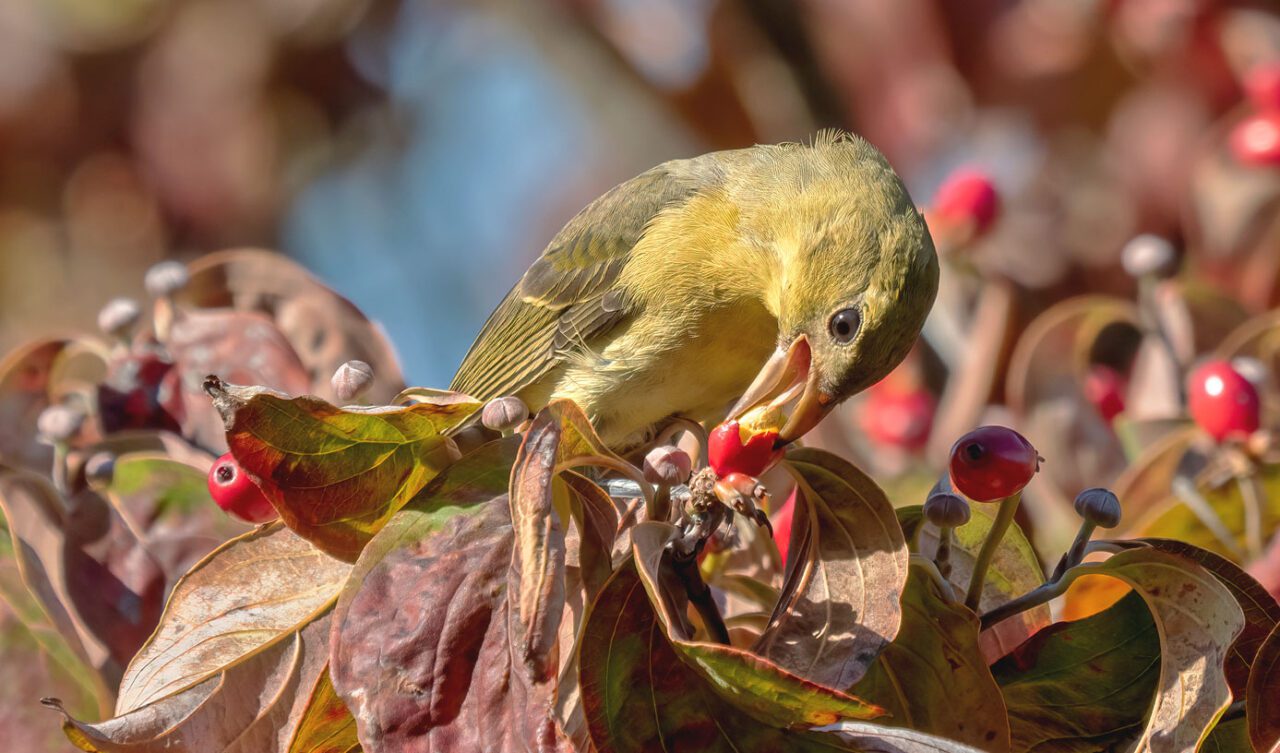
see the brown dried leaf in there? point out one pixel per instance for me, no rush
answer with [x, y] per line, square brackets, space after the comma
[848, 569]
[1261, 708]
[255, 591]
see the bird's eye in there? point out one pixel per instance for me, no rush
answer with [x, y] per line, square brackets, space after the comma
[844, 325]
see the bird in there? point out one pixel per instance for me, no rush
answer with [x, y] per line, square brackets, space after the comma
[783, 275]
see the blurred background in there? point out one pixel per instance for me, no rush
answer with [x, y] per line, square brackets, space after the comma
[416, 154]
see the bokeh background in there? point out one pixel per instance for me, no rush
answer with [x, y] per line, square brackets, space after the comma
[416, 154]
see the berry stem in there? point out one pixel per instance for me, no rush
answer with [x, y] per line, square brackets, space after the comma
[1185, 490]
[942, 558]
[1004, 518]
[59, 474]
[1154, 324]
[1075, 555]
[1252, 495]
[1030, 600]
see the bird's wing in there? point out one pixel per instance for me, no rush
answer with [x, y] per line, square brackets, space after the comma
[568, 296]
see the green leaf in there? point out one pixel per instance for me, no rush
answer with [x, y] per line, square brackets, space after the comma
[336, 475]
[932, 678]
[1015, 570]
[1197, 619]
[1261, 706]
[1231, 736]
[848, 569]
[1083, 685]
[326, 725]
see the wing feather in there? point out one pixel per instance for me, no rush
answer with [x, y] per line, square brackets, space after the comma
[567, 297]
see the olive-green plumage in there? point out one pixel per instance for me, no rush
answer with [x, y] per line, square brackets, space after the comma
[665, 296]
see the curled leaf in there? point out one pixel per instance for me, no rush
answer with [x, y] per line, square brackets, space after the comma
[848, 570]
[1261, 708]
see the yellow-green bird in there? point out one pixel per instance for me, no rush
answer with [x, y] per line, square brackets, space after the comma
[789, 274]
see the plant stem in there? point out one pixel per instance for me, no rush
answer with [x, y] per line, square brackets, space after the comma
[1004, 518]
[60, 451]
[1251, 493]
[686, 568]
[1185, 490]
[1030, 600]
[942, 558]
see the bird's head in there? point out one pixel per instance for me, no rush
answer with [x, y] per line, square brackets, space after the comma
[855, 277]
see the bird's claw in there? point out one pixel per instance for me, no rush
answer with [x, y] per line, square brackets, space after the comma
[745, 495]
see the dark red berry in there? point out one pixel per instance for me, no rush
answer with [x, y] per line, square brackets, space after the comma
[1262, 86]
[968, 195]
[236, 493]
[1104, 388]
[733, 449]
[142, 390]
[898, 417]
[1256, 140]
[1222, 401]
[991, 463]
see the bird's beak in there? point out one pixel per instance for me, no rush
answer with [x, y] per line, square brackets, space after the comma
[788, 377]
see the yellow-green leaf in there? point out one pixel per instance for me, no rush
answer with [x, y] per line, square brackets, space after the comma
[336, 475]
[326, 725]
[932, 678]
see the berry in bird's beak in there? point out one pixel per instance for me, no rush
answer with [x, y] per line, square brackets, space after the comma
[788, 380]
[991, 463]
[1223, 402]
[235, 492]
[745, 447]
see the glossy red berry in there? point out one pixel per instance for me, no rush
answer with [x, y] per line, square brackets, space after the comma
[1222, 401]
[782, 520]
[968, 195]
[1262, 86]
[991, 463]
[1104, 388]
[733, 449]
[236, 493]
[898, 417]
[1256, 140]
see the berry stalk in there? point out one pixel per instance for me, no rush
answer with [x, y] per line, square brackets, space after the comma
[1004, 518]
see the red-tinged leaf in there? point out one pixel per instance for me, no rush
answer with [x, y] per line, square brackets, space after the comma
[1198, 620]
[326, 726]
[247, 706]
[932, 678]
[91, 575]
[640, 695]
[336, 475]
[595, 518]
[579, 443]
[32, 377]
[846, 575]
[256, 591]
[1262, 697]
[323, 328]
[1261, 612]
[241, 347]
[422, 651]
[1083, 683]
[537, 566]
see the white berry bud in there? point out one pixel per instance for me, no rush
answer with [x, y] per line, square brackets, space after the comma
[1149, 255]
[351, 380]
[1098, 506]
[166, 278]
[119, 317]
[946, 510]
[504, 413]
[667, 466]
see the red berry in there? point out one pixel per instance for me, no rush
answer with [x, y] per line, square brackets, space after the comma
[728, 451]
[1222, 401]
[236, 493]
[968, 195]
[1262, 86]
[782, 519]
[991, 463]
[898, 417]
[1104, 388]
[1256, 140]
